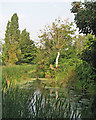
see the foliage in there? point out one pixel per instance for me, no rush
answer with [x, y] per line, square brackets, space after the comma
[54, 39]
[86, 68]
[40, 63]
[85, 74]
[11, 45]
[85, 21]
[89, 52]
[18, 48]
[85, 16]
[67, 77]
[27, 48]
[57, 36]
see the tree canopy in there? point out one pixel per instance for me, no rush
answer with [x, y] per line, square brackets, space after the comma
[27, 47]
[11, 45]
[89, 52]
[85, 16]
[57, 37]
[18, 47]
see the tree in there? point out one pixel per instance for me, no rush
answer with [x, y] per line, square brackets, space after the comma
[85, 19]
[28, 48]
[89, 52]
[85, 16]
[11, 51]
[56, 37]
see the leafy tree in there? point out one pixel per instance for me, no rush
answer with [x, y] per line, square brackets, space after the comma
[89, 52]
[55, 41]
[11, 45]
[56, 37]
[86, 65]
[28, 48]
[85, 19]
[85, 16]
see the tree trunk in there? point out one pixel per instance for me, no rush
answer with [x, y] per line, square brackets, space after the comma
[57, 58]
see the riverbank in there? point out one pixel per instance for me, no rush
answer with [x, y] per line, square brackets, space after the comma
[65, 79]
[23, 73]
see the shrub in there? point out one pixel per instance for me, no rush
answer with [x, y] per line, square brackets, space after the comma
[86, 74]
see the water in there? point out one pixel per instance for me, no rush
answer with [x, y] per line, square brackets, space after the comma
[36, 99]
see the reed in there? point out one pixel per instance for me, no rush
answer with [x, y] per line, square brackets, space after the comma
[17, 73]
[18, 104]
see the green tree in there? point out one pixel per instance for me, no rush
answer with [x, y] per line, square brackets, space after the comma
[28, 48]
[11, 51]
[56, 37]
[89, 52]
[85, 16]
[55, 41]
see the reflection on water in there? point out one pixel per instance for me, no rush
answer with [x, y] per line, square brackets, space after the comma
[34, 99]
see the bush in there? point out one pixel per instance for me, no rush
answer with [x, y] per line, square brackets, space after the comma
[86, 74]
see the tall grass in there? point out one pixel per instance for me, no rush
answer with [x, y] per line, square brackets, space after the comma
[18, 104]
[17, 72]
[14, 102]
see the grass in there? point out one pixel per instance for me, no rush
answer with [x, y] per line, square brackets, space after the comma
[23, 73]
[17, 73]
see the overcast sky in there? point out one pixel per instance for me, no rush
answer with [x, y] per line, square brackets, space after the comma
[34, 14]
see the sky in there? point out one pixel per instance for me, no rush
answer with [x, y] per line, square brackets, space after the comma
[34, 14]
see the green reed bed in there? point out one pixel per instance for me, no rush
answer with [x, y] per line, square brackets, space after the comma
[17, 72]
[27, 102]
[14, 103]
[18, 104]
